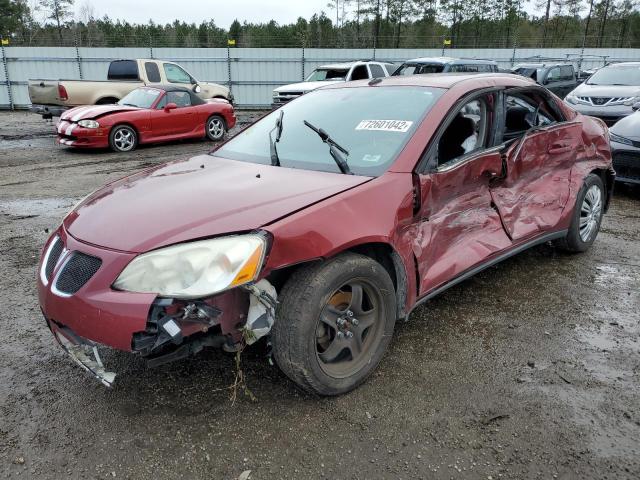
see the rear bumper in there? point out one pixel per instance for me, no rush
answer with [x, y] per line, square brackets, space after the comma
[48, 110]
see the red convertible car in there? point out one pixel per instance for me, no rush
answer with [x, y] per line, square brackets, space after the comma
[324, 222]
[146, 115]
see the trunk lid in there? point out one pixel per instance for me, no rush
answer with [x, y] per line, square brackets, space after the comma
[44, 92]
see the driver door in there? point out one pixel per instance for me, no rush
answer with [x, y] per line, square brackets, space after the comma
[167, 123]
[457, 225]
[535, 190]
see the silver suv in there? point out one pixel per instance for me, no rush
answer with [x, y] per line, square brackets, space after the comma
[609, 93]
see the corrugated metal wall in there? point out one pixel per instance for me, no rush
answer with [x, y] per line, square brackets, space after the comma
[252, 73]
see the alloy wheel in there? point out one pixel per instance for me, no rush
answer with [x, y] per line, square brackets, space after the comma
[590, 213]
[215, 128]
[124, 139]
[349, 329]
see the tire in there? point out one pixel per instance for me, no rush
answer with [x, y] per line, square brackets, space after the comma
[587, 216]
[123, 138]
[335, 354]
[215, 128]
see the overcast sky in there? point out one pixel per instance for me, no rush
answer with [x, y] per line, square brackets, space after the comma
[223, 12]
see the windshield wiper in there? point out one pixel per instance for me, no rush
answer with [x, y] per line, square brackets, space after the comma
[129, 105]
[275, 160]
[335, 150]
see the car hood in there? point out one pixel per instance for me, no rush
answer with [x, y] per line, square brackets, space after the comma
[585, 90]
[93, 111]
[305, 86]
[628, 127]
[196, 198]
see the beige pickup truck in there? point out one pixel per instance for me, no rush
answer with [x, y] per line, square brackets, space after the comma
[52, 97]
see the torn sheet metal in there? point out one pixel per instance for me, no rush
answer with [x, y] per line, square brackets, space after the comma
[87, 357]
[262, 310]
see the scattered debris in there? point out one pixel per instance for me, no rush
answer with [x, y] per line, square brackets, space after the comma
[245, 475]
[531, 364]
[494, 418]
[18, 460]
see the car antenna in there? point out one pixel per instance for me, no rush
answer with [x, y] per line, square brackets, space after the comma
[375, 81]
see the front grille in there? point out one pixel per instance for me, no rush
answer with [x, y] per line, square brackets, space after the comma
[76, 272]
[627, 165]
[54, 254]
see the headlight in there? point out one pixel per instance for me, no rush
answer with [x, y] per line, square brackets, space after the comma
[571, 99]
[619, 139]
[88, 123]
[631, 101]
[195, 269]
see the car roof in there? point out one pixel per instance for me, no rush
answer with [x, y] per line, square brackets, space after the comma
[343, 65]
[452, 60]
[440, 80]
[624, 64]
[542, 65]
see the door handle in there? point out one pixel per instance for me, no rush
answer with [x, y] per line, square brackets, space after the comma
[557, 148]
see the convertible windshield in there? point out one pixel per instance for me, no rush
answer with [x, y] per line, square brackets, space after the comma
[140, 97]
[321, 74]
[372, 123]
[616, 75]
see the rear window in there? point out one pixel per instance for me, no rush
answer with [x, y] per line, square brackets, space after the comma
[322, 74]
[123, 70]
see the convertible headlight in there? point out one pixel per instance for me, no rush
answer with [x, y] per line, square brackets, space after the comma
[617, 138]
[88, 123]
[195, 269]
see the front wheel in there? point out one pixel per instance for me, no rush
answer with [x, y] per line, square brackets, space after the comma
[587, 216]
[334, 323]
[123, 138]
[215, 128]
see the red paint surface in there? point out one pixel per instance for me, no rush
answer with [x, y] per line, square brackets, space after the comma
[312, 215]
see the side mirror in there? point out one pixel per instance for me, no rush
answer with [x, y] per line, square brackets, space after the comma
[170, 106]
[635, 107]
[196, 88]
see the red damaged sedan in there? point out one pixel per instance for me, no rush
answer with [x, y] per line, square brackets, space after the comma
[324, 223]
[146, 115]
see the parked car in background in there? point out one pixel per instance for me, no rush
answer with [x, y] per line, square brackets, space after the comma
[146, 115]
[560, 78]
[335, 72]
[52, 97]
[625, 147]
[419, 66]
[273, 234]
[609, 93]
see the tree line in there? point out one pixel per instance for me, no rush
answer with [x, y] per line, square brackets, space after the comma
[346, 24]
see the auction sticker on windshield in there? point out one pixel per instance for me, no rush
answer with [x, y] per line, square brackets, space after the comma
[385, 125]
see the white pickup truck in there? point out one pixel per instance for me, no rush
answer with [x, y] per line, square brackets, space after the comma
[52, 97]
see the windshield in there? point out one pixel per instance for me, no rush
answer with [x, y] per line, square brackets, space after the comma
[321, 74]
[415, 69]
[616, 75]
[140, 97]
[372, 123]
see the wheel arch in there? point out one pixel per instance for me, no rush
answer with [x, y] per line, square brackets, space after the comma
[608, 176]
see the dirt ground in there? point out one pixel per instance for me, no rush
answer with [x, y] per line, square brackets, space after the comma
[529, 370]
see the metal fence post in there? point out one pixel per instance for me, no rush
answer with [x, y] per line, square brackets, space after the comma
[6, 76]
[303, 62]
[229, 66]
[515, 46]
[150, 46]
[78, 59]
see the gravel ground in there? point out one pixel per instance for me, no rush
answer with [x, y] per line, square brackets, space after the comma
[529, 370]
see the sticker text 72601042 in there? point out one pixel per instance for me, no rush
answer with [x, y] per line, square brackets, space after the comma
[385, 125]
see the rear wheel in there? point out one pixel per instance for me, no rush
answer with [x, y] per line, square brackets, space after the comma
[334, 323]
[587, 216]
[215, 128]
[123, 138]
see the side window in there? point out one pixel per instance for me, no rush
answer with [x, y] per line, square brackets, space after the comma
[566, 72]
[376, 70]
[464, 68]
[553, 75]
[525, 110]
[181, 99]
[360, 73]
[175, 74]
[390, 67]
[153, 72]
[468, 131]
[162, 103]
